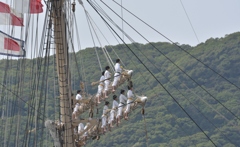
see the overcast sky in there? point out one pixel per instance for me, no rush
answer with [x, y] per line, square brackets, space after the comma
[209, 18]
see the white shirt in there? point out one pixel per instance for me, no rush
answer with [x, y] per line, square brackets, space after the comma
[105, 109]
[107, 75]
[115, 104]
[118, 68]
[102, 79]
[78, 97]
[122, 99]
[80, 127]
[130, 94]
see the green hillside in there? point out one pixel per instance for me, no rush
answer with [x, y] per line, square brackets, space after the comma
[209, 99]
[167, 124]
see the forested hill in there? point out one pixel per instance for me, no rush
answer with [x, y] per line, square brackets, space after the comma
[167, 124]
[204, 84]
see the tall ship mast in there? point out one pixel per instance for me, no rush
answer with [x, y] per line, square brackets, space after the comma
[68, 124]
[58, 17]
[51, 95]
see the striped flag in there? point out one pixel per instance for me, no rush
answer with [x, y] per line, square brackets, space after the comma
[11, 46]
[9, 17]
[29, 6]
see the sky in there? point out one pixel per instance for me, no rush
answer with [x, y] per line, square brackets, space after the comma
[209, 18]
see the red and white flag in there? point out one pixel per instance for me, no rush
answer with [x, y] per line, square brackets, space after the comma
[9, 17]
[29, 6]
[11, 46]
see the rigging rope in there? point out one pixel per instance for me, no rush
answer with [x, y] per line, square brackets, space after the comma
[181, 48]
[122, 20]
[155, 77]
[177, 88]
[106, 39]
[145, 128]
[29, 28]
[95, 48]
[109, 18]
[198, 109]
[176, 65]
[147, 82]
[109, 60]
[189, 21]
[45, 99]
[81, 58]
[32, 101]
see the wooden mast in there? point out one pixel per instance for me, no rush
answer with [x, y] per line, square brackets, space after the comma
[62, 60]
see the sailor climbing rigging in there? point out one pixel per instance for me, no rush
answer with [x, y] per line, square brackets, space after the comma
[82, 128]
[130, 96]
[117, 75]
[122, 102]
[104, 117]
[113, 111]
[100, 88]
[75, 111]
[107, 76]
[78, 97]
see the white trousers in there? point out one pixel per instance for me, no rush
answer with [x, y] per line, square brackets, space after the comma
[104, 121]
[106, 84]
[76, 108]
[100, 89]
[120, 108]
[80, 127]
[116, 79]
[112, 116]
[128, 105]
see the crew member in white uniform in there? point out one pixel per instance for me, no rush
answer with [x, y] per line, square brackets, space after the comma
[122, 102]
[129, 101]
[86, 133]
[104, 117]
[82, 128]
[100, 87]
[117, 75]
[78, 97]
[113, 111]
[107, 76]
[75, 111]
